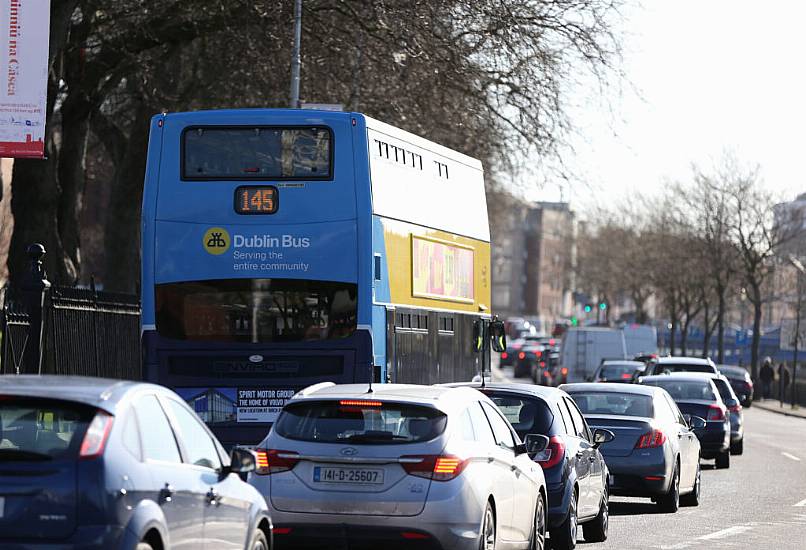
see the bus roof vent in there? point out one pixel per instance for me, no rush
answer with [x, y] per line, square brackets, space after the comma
[313, 389]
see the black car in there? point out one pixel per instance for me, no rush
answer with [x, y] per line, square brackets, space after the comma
[576, 474]
[697, 395]
[618, 370]
[740, 381]
[655, 454]
[94, 463]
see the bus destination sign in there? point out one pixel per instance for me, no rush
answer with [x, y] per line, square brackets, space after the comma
[256, 199]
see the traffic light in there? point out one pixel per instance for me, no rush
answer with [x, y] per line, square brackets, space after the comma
[603, 306]
[574, 321]
[588, 308]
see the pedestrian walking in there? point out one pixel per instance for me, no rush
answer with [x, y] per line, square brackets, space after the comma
[767, 375]
[783, 380]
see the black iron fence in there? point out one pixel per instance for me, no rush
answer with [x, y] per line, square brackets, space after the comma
[65, 330]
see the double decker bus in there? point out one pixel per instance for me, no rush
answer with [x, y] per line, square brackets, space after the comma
[282, 248]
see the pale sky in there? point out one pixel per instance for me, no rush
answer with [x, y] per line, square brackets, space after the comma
[707, 76]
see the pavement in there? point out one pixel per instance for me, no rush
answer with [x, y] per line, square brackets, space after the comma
[759, 502]
[773, 405]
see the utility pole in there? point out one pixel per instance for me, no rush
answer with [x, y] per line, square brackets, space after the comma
[799, 266]
[295, 55]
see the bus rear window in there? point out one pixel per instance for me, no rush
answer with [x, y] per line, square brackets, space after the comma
[244, 153]
[256, 310]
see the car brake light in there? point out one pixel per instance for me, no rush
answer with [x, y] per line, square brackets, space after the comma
[552, 454]
[716, 412]
[359, 403]
[522, 355]
[281, 530]
[626, 375]
[504, 355]
[273, 461]
[95, 439]
[434, 467]
[651, 439]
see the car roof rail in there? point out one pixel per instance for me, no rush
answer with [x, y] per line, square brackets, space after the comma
[314, 388]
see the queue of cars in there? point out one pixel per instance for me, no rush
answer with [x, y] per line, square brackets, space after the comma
[100, 463]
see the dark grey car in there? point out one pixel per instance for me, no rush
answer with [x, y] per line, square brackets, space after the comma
[655, 453]
[94, 463]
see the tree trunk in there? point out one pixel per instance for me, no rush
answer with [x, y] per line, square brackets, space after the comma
[122, 231]
[706, 340]
[684, 336]
[720, 324]
[757, 311]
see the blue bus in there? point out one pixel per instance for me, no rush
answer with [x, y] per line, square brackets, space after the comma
[282, 248]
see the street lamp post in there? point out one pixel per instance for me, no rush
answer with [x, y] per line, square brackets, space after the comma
[295, 55]
[801, 270]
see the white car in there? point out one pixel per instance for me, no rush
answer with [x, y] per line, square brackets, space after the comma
[401, 466]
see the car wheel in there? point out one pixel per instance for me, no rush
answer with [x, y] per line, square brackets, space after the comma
[539, 528]
[259, 541]
[487, 538]
[723, 460]
[737, 448]
[693, 498]
[670, 502]
[596, 530]
[564, 537]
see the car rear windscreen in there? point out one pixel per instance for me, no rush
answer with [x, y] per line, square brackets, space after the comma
[611, 403]
[527, 416]
[360, 421]
[617, 372]
[685, 390]
[682, 367]
[41, 429]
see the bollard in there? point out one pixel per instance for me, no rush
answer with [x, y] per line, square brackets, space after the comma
[34, 287]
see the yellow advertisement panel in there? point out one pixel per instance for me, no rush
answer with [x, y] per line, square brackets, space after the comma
[441, 270]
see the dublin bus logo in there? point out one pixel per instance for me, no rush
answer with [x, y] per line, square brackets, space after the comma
[216, 240]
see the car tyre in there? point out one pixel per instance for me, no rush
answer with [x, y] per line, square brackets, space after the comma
[723, 460]
[693, 498]
[737, 448]
[564, 537]
[596, 530]
[538, 541]
[488, 531]
[670, 502]
[259, 541]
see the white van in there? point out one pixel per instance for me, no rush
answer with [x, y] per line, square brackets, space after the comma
[583, 349]
[640, 339]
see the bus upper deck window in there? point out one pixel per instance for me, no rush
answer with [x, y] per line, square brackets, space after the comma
[257, 152]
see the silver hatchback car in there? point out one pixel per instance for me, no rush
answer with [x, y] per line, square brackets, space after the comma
[401, 466]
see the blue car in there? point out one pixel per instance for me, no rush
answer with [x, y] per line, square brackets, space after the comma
[94, 463]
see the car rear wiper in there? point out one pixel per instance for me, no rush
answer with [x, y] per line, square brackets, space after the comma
[20, 454]
[377, 436]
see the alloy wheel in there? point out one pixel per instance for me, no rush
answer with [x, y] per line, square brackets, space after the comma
[539, 526]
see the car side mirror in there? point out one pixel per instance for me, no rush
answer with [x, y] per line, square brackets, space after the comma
[601, 436]
[498, 336]
[478, 336]
[536, 443]
[695, 422]
[242, 460]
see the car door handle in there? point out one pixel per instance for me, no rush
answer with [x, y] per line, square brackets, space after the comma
[213, 497]
[167, 492]
[513, 467]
